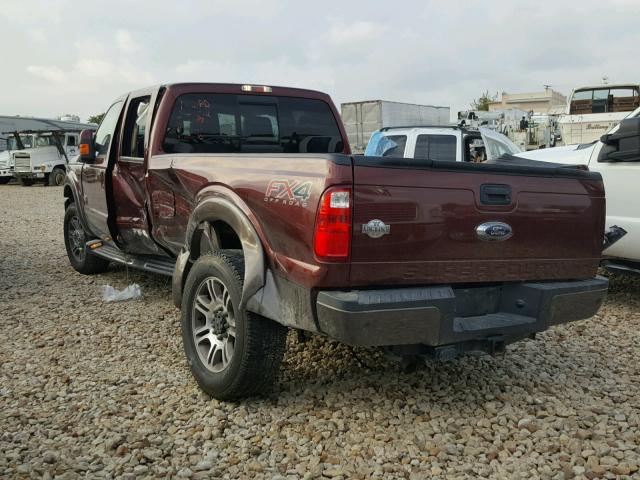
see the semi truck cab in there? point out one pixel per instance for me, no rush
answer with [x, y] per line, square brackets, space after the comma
[42, 155]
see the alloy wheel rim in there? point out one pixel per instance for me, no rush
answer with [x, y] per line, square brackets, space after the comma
[76, 238]
[213, 324]
[59, 178]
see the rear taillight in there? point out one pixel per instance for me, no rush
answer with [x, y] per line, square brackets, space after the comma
[332, 239]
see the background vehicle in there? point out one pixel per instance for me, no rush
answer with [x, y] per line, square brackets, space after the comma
[617, 158]
[540, 131]
[451, 143]
[6, 166]
[361, 119]
[594, 110]
[42, 155]
[248, 196]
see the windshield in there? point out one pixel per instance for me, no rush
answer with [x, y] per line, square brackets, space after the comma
[12, 143]
[604, 100]
[497, 144]
[614, 129]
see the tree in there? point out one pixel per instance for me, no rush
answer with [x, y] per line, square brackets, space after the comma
[96, 118]
[482, 103]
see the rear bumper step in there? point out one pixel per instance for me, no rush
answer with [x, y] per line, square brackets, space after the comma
[158, 265]
[444, 315]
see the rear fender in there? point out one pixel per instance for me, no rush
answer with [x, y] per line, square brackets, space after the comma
[217, 208]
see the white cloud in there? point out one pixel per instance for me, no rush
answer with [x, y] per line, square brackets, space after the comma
[345, 34]
[37, 36]
[423, 51]
[126, 42]
[49, 73]
[93, 67]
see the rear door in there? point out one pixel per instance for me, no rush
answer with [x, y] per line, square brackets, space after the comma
[94, 174]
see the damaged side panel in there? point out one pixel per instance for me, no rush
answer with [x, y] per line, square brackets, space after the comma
[131, 219]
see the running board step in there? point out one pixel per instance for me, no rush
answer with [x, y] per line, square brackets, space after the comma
[148, 263]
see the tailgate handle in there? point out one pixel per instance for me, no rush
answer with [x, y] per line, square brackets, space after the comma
[491, 194]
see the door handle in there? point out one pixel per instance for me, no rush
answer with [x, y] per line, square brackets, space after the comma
[492, 194]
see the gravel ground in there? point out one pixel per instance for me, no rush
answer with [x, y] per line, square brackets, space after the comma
[89, 389]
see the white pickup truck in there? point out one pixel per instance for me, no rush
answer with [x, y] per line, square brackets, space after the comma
[617, 157]
[444, 143]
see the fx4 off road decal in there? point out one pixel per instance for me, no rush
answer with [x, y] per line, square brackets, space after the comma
[288, 192]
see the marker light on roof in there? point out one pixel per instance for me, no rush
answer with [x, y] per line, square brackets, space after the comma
[256, 88]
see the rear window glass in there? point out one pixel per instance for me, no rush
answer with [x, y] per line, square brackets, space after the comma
[226, 123]
[398, 150]
[436, 147]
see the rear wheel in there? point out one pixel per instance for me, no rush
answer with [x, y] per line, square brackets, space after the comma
[26, 182]
[75, 239]
[56, 177]
[232, 353]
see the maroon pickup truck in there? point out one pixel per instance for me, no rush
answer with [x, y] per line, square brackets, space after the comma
[249, 198]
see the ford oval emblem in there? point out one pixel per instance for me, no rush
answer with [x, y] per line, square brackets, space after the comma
[494, 231]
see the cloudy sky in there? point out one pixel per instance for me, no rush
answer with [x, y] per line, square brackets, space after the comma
[75, 57]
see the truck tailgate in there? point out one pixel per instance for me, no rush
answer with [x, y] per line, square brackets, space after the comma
[433, 210]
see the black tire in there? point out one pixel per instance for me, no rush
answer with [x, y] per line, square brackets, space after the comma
[56, 177]
[5, 180]
[258, 345]
[26, 182]
[74, 240]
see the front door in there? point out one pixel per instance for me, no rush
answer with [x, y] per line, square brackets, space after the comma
[621, 180]
[129, 193]
[94, 174]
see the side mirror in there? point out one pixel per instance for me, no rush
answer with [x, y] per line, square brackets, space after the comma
[624, 144]
[87, 146]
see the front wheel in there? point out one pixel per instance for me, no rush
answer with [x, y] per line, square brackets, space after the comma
[232, 353]
[56, 177]
[75, 239]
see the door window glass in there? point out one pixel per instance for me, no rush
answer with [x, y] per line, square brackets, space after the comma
[436, 147]
[45, 141]
[107, 128]
[381, 145]
[135, 127]
[398, 150]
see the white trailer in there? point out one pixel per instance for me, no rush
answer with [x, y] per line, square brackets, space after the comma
[361, 119]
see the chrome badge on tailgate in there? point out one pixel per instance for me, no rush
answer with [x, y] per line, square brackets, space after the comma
[375, 228]
[494, 231]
